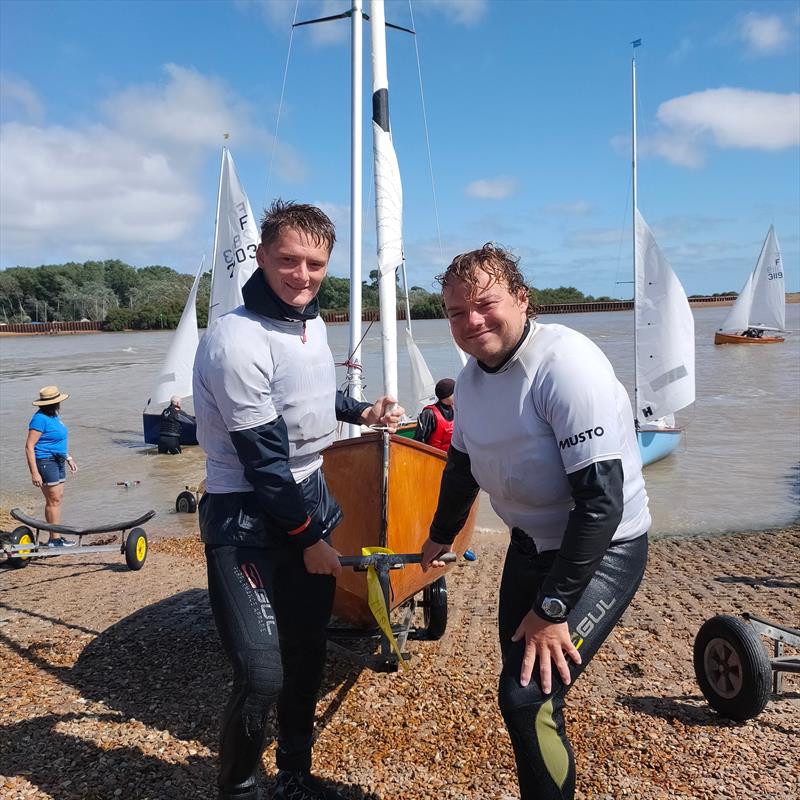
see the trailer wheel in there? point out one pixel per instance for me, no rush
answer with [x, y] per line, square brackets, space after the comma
[434, 609]
[136, 549]
[20, 535]
[186, 503]
[732, 667]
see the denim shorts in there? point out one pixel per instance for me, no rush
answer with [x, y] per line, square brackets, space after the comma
[52, 469]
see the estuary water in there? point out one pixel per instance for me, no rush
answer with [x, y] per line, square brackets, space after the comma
[738, 467]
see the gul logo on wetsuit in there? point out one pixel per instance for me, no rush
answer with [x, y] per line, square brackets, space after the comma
[583, 436]
[253, 577]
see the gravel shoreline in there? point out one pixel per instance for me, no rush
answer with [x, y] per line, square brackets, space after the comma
[113, 682]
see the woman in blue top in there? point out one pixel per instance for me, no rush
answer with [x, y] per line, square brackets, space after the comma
[47, 454]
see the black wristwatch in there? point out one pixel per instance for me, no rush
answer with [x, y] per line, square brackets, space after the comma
[554, 609]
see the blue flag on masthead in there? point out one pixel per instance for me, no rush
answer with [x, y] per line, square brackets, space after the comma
[637, 42]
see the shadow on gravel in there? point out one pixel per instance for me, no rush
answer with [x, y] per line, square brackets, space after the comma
[162, 666]
[768, 581]
[687, 712]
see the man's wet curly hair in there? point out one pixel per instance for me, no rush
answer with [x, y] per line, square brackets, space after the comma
[499, 264]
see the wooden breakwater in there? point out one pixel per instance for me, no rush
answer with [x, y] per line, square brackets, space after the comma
[368, 315]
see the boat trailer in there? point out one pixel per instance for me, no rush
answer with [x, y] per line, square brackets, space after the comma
[22, 544]
[433, 604]
[732, 667]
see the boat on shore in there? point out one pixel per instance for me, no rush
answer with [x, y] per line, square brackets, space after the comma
[386, 484]
[760, 309]
[235, 241]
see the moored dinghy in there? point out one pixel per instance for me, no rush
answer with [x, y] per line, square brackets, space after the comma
[761, 305]
[235, 241]
[663, 334]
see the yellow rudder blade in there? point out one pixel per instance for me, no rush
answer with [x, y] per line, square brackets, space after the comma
[377, 603]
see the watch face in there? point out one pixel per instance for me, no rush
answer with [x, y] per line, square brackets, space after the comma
[554, 607]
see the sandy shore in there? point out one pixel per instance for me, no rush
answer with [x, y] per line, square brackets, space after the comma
[113, 682]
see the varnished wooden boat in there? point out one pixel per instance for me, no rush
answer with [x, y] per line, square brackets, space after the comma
[387, 486]
[738, 338]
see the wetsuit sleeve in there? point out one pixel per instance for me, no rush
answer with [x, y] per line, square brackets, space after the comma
[264, 454]
[349, 410]
[457, 492]
[426, 423]
[598, 496]
[186, 419]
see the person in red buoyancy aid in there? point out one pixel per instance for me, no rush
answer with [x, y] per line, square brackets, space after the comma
[435, 422]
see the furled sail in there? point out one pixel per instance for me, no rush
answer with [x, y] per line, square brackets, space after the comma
[762, 301]
[664, 333]
[235, 241]
[388, 200]
[175, 376]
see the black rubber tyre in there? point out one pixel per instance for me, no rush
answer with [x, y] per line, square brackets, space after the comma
[20, 535]
[136, 549]
[186, 503]
[732, 667]
[434, 609]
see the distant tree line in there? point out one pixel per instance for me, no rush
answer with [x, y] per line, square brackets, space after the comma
[125, 297]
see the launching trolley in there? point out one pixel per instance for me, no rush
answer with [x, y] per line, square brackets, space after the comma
[732, 666]
[22, 544]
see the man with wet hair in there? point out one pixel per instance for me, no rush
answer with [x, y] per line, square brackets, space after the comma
[546, 429]
[267, 405]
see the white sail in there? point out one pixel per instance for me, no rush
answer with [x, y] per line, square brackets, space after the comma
[422, 384]
[762, 301]
[664, 333]
[175, 376]
[739, 315]
[388, 200]
[235, 241]
[768, 306]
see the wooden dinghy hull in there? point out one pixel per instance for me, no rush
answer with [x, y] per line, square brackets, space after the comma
[361, 473]
[737, 338]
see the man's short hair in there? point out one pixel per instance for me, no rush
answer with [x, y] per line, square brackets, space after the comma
[175, 400]
[444, 388]
[497, 263]
[310, 220]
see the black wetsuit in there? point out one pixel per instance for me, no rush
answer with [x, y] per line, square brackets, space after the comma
[169, 435]
[271, 614]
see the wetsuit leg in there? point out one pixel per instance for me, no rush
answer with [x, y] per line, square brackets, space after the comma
[535, 721]
[272, 617]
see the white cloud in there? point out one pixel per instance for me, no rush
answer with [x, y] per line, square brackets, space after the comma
[17, 94]
[578, 208]
[492, 188]
[462, 12]
[727, 118]
[597, 237]
[278, 15]
[684, 48]
[126, 184]
[764, 34]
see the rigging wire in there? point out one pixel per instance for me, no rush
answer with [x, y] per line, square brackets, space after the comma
[427, 137]
[280, 104]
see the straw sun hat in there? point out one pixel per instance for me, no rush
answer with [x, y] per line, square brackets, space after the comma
[49, 395]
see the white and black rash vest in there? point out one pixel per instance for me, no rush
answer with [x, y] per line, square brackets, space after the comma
[549, 435]
[266, 404]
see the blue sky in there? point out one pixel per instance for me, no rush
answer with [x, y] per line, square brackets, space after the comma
[113, 115]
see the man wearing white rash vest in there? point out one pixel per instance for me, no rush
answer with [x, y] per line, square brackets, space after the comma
[546, 429]
[266, 403]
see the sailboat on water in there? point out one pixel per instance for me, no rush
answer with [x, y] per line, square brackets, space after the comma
[235, 241]
[761, 305]
[387, 485]
[663, 334]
